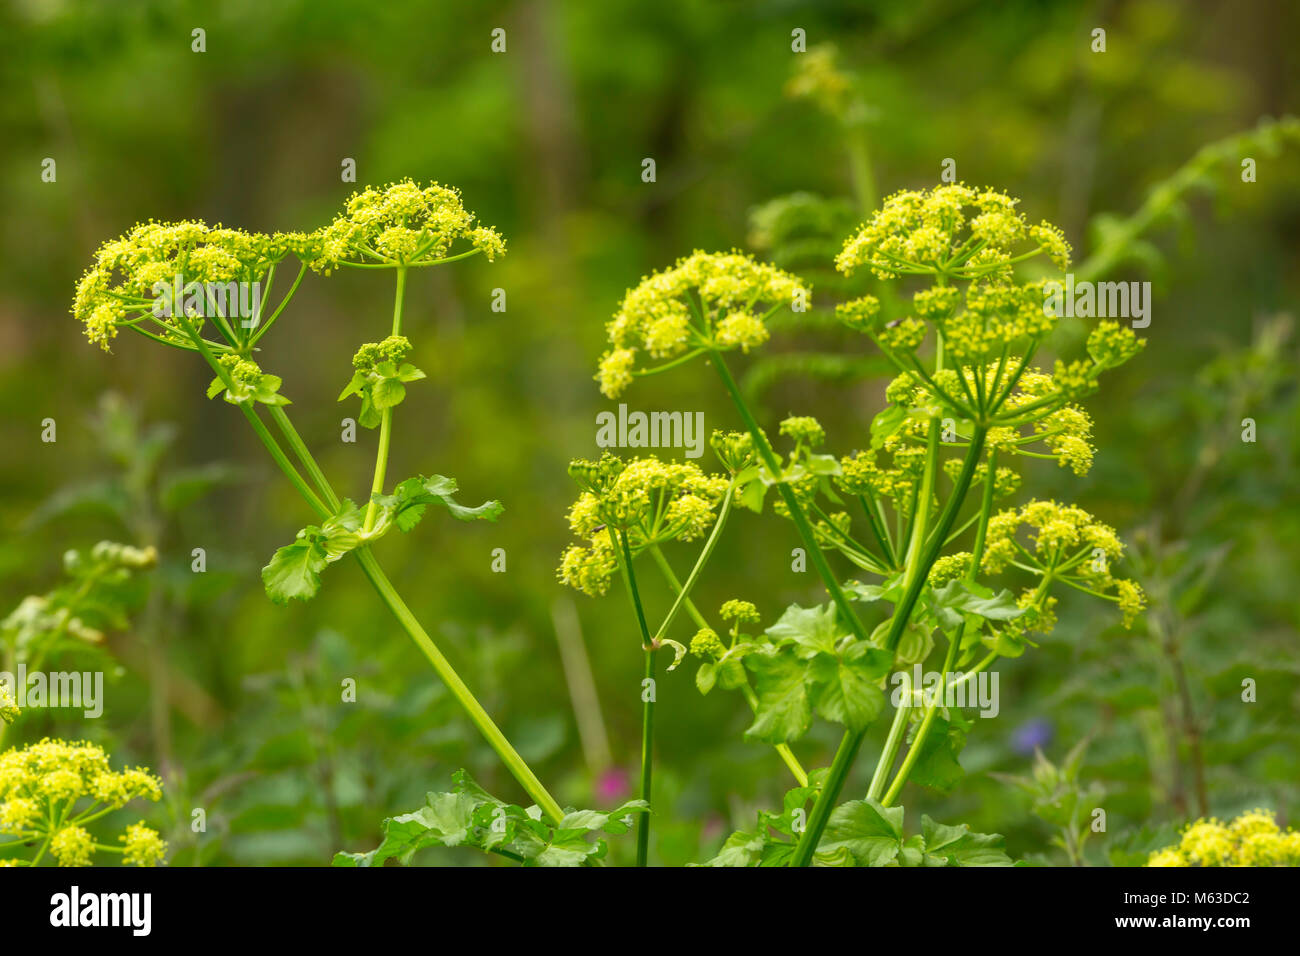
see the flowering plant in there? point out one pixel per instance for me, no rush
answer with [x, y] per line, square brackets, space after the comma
[188, 268]
[966, 404]
[52, 791]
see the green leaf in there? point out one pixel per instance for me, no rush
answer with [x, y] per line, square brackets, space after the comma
[967, 599]
[814, 628]
[886, 423]
[847, 690]
[387, 392]
[751, 496]
[958, 846]
[470, 816]
[706, 677]
[873, 834]
[369, 416]
[937, 767]
[294, 570]
[355, 384]
[783, 712]
[891, 590]
[408, 501]
[741, 849]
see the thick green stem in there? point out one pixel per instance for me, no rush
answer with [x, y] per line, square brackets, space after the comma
[495, 738]
[393, 601]
[897, 730]
[821, 811]
[647, 756]
[977, 555]
[304, 455]
[903, 613]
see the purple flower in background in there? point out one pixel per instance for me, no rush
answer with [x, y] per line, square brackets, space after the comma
[613, 784]
[1032, 735]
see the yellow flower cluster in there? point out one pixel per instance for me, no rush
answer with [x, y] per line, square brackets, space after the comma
[706, 645]
[996, 313]
[1252, 839]
[949, 567]
[42, 789]
[862, 474]
[401, 224]
[804, 429]
[118, 286]
[713, 300]
[742, 612]
[735, 450]
[949, 230]
[393, 349]
[649, 500]
[1068, 544]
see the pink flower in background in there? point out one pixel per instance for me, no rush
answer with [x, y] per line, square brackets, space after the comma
[613, 783]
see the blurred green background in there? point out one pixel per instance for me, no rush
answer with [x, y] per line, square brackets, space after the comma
[237, 701]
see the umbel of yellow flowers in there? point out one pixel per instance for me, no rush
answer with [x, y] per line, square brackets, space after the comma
[1253, 839]
[52, 792]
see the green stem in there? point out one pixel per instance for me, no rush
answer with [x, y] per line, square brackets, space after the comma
[851, 742]
[648, 694]
[386, 416]
[393, 601]
[977, 555]
[787, 755]
[897, 730]
[381, 465]
[821, 811]
[684, 591]
[932, 708]
[495, 738]
[264, 326]
[300, 449]
[792, 503]
[903, 612]
[647, 757]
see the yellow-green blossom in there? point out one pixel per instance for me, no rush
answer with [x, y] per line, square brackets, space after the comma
[951, 229]
[402, 224]
[706, 645]
[144, 847]
[1252, 839]
[648, 500]
[72, 846]
[706, 300]
[51, 791]
[120, 287]
[742, 612]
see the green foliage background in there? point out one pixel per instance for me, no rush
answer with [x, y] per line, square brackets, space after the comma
[237, 701]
